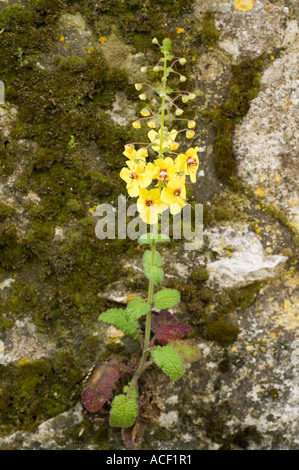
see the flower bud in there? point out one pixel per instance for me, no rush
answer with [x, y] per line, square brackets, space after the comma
[174, 146]
[129, 148]
[136, 125]
[185, 98]
[142, 96]
[151, 124]
[190, 134]
[192, 96]
[183, 78]
[179, 112]
[155, 41]
[182, 61]
[138, 86]
[145, 112]
[191, 124]
[156, 69]
[143, 69]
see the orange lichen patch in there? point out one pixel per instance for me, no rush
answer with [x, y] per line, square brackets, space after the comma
[180, 30]
[102, 39]
[272, 57]
[277, 178]
[244, 5]
[61, 39]
[294, 202]
[259, 192]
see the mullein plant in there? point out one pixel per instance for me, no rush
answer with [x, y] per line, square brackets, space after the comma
[113, 390]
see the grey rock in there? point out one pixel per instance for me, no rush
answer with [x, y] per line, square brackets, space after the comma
[266, 141]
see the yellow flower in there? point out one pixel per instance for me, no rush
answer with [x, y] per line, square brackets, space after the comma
[135, 177]
[164, 169]
[174, 195]
[149, 205]
[138, 156]
[168, 140]
[188, 163]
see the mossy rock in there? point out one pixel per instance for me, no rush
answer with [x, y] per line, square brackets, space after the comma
[222, 332]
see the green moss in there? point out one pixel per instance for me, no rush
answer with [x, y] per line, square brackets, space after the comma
[5, 211]
[101, 437]
[229, 206]
[243, 297]
[35, 391]
[200, 275]
[210, 33]
[221, 332]
[22, 299]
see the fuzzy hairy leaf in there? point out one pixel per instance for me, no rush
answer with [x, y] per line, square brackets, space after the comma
[118, 318]
[169, 360]
[147, 259]
[187, 349]
[99, 386]
[166, 298]
[155, 275]
[167, 328]
[124, 411]
[136, 308]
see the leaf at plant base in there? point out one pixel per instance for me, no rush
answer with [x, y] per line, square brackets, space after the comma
[166, 298]
[187, 349]
[136, 308]
[118, 318]
[167, 327]
[124, 411]
[149, 238]
[99, 386]
[169, 360]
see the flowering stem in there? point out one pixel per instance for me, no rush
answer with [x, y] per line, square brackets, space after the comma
[147, 334]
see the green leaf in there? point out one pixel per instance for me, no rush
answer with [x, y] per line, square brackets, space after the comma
[153, 273]
[118, 318]
[147, 259]
[166, 298]
[169, 360]
[136, 308]
[124, 411]
[148, 238]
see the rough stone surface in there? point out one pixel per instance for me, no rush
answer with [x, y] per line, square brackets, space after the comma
[247, 36]
[266, 142]
[69, 75]
[246, 262]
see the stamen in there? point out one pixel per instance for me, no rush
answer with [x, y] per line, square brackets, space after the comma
[163, 175]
